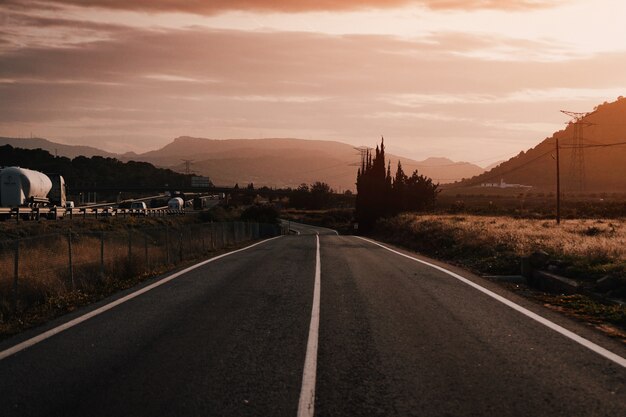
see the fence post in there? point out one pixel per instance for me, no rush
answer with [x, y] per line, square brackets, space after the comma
[130, 245]
[102, 254]
[71, 266]
[212, 236]
[145, 243]
[16, 272]
[167, 244]
[180, 246]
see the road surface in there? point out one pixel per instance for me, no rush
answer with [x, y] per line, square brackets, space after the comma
[394, 338]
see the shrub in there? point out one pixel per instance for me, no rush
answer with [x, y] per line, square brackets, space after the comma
[261, 213]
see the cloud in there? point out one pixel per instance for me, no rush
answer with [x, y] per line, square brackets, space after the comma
[211, 7]
[148, 86]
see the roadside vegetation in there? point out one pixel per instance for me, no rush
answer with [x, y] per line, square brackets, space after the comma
[63, 265]
[589, 248]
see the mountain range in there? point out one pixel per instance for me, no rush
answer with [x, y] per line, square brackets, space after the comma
[598, 165]
[270, 162]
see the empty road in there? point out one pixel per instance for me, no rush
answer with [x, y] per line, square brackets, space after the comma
[386, 335]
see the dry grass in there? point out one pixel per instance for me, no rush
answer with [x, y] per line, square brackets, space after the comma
[48, 287]
[585, 249]
[598, 239]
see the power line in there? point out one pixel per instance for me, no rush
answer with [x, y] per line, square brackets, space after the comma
[597, 145]
[510, 155]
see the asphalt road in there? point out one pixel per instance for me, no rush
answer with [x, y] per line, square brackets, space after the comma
[396, 338]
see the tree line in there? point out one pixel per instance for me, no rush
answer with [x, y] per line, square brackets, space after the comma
[381, 195]
[82, 170]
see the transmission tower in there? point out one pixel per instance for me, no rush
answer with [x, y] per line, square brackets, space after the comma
[363, 150]
[577, 161]
[188, 163]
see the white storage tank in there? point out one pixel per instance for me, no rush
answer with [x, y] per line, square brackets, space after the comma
[175, 203]
[21, 186]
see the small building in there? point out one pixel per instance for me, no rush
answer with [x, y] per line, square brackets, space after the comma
[200, 182]
[503, 184]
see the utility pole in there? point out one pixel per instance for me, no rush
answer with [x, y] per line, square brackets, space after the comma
[558, 184]
[363, 152]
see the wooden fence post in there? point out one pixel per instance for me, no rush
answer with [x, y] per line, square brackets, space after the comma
[16, 272]
[167, 245]
[145, 243]
[71, 266]
[102, 254]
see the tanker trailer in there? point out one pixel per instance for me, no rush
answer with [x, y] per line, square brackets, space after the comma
[23, 187]
[176, 203]
[58, 194]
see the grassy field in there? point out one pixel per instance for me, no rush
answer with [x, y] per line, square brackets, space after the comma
[585, 249]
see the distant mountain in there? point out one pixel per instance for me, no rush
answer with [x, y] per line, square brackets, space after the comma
[603, 155]
[492, 166]
[70, 151]
[287, 162]
[271, 162]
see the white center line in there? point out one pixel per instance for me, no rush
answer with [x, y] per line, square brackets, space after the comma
[45, 335]
[569, 334]
[306, 405]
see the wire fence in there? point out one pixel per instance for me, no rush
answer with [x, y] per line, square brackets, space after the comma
[43, 269]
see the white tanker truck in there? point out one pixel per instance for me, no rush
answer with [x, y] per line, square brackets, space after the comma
[21, 187]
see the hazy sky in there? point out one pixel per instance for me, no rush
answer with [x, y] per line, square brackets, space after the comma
[474, 80]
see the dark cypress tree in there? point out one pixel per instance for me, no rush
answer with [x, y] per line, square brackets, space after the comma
[399, 189]
[380, 195]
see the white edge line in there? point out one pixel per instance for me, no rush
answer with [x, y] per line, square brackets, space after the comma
[306, 405]
[563, 331]
[47, 334]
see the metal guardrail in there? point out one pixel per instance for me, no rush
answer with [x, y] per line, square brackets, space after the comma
[52, 213]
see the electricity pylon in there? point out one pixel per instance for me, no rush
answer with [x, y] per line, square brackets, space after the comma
[577, 161]
[188, 163]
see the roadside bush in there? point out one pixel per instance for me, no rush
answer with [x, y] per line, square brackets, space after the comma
[261, 213]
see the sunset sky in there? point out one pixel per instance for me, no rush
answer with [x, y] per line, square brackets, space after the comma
[473, 80]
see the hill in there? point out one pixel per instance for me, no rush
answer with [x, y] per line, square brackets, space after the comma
[70, 151]
[604, 133]
[287, 162]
